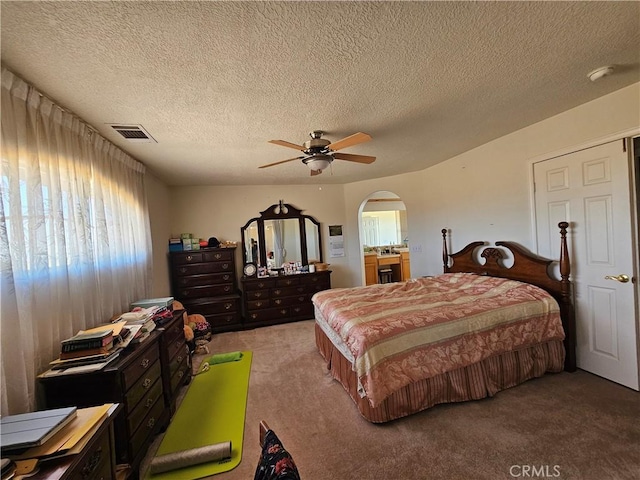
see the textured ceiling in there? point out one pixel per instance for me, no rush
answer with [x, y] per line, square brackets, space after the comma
[212, 82]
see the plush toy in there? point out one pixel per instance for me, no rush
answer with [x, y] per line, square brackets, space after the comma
[201, 331]
[188, 333]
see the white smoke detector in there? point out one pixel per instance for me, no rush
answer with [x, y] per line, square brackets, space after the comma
[598, 73]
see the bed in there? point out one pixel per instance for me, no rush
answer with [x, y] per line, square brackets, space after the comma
[477, 329]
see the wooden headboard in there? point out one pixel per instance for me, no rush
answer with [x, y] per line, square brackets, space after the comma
[526, 267]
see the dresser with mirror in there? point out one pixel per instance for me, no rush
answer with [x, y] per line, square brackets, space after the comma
[278, 247]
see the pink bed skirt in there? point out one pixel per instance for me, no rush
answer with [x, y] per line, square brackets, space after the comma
[474, 382]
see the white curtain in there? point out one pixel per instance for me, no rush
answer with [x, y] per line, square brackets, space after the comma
[75, 243]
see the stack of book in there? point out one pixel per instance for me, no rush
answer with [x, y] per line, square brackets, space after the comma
[98, 345]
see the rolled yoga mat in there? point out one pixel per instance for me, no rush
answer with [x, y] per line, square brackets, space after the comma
[193, 456]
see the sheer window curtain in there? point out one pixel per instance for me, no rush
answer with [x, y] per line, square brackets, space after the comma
[75, 243]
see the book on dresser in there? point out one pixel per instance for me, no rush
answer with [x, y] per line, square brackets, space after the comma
[26, 430]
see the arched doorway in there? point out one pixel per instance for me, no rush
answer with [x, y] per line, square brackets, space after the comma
[384, 231]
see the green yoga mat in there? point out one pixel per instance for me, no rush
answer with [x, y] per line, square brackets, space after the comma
[211, 412]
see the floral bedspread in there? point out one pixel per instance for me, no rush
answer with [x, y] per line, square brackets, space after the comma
[399, 333]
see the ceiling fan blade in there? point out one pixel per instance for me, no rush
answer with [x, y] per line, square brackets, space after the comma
[349, 141]
[354, 158]
[281, 161]
[284, 143]
[315, 172]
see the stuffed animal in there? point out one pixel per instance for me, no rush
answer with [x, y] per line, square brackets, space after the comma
[201, 331]
[188, 333]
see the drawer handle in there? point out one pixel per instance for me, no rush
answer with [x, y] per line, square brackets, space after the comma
[257, 294]
[296, 309]
[92, 463]
[258, 304]
[278, 301]
[261, 285]
[151, 423]
[288, 282]
[227, 306]
[145, 363]
[283, 311]
[227, 288]
[218, 256]
[149, 402]
[301, 299]
[185, 293]
[180, 374]
[254, 316]
[183, 270]
[225, 266]
[226, 277]
[146, 383]
[277, 292]
[179, 358]
[301, 289]
[189, 258]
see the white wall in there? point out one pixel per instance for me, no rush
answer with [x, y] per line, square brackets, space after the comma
[483, 194]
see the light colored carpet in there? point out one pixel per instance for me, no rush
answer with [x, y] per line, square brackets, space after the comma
[566, 426]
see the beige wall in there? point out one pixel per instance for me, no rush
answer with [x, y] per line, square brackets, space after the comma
[222, 211]
[483, 194]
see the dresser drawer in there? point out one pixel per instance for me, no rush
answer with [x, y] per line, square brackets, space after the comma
[140, 365]
[257, 294]
[287, 281]
[258, 304]
[181, 355]
[176, 348]
[147, 427]
[287, 291]
[303, 309]
[212, 306]
[293, 300]
[204, 279]
[200, 268]
[185, 258]
[206, 291]
[142, 386]
[96, 463]
[180, 374]
[219, 321]
[144, 405]
[268, 314]
[260, 284]
[175, 331]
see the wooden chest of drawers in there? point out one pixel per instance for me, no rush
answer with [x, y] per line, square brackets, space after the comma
[273, 300]
[205, 282]
[134, 380]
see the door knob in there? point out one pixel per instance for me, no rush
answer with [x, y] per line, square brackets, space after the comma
[622, 278]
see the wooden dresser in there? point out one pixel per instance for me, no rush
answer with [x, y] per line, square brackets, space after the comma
[144, 379]
[274, 300]
[205, 282]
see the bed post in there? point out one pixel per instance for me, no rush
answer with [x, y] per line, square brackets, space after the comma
[445, 253]
[566, 304]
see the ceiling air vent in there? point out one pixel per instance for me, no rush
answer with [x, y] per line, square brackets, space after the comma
[133, 133]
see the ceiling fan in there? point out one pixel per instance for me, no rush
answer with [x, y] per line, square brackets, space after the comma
[319, 152]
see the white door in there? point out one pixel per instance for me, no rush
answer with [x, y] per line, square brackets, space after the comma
[590, 189]
[370, 230]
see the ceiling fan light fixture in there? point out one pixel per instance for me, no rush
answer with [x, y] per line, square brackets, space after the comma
[319, 162]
